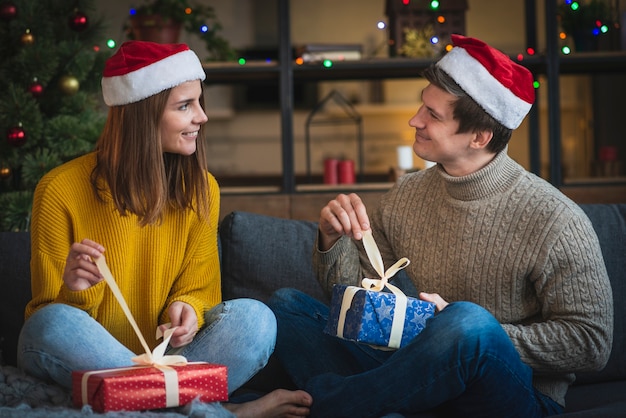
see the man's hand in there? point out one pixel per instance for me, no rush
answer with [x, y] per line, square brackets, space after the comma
[344, 215]
[434, 298]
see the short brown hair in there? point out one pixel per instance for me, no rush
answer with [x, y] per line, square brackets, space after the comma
[469, 114]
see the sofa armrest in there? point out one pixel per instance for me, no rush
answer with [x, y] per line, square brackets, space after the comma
[15, 282]
[609, 222]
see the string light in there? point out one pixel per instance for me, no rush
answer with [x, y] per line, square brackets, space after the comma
[536, 84]
[434, 4]
[566, 50]
[327, 63]
[111, 43]
[242, 61]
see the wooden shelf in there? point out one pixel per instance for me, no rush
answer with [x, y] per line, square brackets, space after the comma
[259, 71]
[593, 62]
[389, 68]
[551, 63]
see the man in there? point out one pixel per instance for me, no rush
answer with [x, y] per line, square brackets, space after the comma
[513, 266]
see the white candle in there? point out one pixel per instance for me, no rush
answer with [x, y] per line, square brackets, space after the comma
[405, 157]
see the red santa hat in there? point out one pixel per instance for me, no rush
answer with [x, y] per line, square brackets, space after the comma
[503, 88]
[141, 69]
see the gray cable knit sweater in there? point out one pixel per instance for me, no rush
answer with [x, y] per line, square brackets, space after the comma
[507, 240]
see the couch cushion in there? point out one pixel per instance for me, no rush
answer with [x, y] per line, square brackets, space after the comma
[261, 254]
[596, 400]
[15, 285]
[609, 222]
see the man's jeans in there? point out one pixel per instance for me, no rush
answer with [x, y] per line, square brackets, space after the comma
[59, 338]
[462, 361]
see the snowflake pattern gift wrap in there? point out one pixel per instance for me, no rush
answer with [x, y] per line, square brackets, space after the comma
[368, 315]
[158, 381]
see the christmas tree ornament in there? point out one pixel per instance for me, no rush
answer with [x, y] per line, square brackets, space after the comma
[69, 85]
[16, 136]
[8, 11]
[5, 172]
[27, 38]
[78, 21]
[37, 106]
[36, 88]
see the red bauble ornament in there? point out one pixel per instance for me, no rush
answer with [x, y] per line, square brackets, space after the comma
[16, 136]
[36, 88]
[78, 21]
[8, 10]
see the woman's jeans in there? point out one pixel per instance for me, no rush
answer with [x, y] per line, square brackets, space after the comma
[58, 338]
[461, 364]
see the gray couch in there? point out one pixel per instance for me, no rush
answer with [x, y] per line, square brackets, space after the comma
[261, 254]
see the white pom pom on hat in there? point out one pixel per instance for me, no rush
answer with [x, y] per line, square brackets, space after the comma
[503, 88]
[140, 69]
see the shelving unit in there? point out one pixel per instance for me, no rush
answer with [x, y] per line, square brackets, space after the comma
[285, 72]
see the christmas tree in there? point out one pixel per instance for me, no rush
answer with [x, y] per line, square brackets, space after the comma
[53, 53]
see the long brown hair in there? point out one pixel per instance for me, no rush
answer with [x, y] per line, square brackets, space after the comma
[142, 179]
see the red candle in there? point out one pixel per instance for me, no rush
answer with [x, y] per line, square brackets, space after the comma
[330, 171]
[345, 170]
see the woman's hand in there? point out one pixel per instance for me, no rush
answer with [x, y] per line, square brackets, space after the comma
[183, 316]
[344, 215]
[80, 272]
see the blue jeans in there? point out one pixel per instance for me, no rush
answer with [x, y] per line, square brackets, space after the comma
[462, 364]
[58, 338]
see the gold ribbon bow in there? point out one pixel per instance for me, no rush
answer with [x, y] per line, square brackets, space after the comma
[377, 285]
[157, 357]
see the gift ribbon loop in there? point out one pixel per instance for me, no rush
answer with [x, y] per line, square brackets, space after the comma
[377, 285]
[149, 358]
[156, 358]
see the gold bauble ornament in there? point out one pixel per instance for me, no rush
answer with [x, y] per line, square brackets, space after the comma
[28, 38]
[69, 85]
[5, 172]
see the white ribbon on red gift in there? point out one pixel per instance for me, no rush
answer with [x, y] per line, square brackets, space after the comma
[377, 285]
[156, 358]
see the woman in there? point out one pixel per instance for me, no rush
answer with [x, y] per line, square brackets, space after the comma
[146, 197]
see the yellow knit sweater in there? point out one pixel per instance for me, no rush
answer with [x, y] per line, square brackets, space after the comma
[155, 265]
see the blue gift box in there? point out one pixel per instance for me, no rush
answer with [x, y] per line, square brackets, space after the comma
[367, 316]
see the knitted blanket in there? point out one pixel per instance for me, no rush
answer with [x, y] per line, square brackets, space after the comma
[23, 396]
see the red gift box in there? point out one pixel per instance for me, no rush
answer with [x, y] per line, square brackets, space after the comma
[147, 387]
